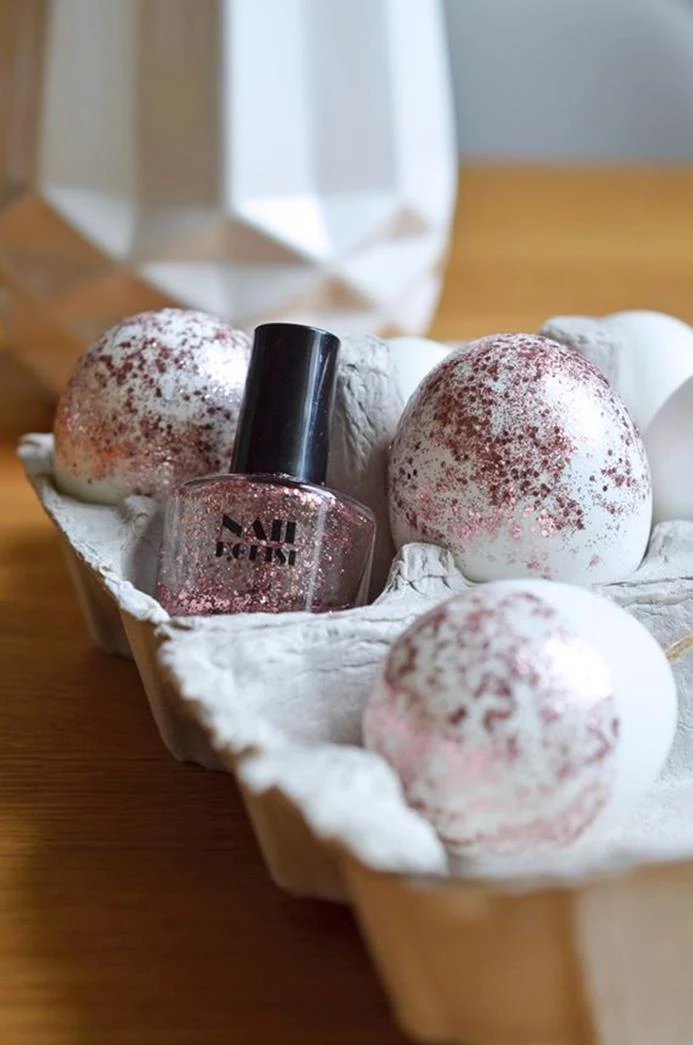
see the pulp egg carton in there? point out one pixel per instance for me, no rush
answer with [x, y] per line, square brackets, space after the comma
[587, 946]
[563, 951]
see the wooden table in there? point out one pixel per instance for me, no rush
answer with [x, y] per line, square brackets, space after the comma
[134, 907]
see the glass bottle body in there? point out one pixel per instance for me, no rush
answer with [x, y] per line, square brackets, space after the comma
[263, 544]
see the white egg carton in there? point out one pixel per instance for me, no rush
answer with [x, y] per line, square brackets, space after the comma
[566, 951]
[588, 948]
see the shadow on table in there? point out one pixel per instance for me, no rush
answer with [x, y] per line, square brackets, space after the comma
[150, 909]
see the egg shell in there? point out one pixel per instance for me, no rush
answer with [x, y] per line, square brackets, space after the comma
[153, 402]
[645, 355]
[522, 716]
[516, 455]
[669, 444]
[413, 358]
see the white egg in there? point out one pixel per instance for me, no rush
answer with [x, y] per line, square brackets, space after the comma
[669, 445]
[516, 454]
[645, 355]
[153, 402]
[412, 358]
[523, 716]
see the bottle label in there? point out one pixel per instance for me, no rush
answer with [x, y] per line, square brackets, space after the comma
[260, 540]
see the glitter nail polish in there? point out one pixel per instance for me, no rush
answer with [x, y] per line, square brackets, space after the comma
[270, 537]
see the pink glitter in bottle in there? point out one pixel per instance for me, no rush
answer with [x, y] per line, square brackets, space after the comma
[270, 537]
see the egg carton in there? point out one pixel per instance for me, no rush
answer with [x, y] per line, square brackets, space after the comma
[587, 947]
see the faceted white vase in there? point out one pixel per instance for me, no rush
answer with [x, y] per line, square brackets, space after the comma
[258, 159]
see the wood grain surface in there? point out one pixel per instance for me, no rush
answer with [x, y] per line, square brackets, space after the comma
[134, 906]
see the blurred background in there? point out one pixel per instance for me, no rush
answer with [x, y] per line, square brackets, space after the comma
[586, 81]
[299, 159]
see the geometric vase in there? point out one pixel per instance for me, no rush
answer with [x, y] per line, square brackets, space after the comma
[258, 159]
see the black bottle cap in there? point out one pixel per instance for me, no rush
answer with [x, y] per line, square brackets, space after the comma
[284, 422]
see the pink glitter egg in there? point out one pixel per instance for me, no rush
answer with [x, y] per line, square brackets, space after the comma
[153, 402]
[521, 714]
[516, 454]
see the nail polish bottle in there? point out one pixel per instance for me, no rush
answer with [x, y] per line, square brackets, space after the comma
[270, 537]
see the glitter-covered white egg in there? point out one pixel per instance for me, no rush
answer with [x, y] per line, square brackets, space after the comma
[153, 402]
[516, 454]
[523, 715]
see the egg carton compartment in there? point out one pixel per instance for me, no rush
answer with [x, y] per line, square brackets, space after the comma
[471, 954]
[568, 949]
[561, 950]
[111, 552]
[595, 960]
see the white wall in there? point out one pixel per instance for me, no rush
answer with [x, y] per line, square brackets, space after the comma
[602, 80]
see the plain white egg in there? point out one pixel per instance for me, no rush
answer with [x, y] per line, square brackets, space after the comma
[522, 715]
[516, 454]
[412, 358]
[645, 355]
[669, 445]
